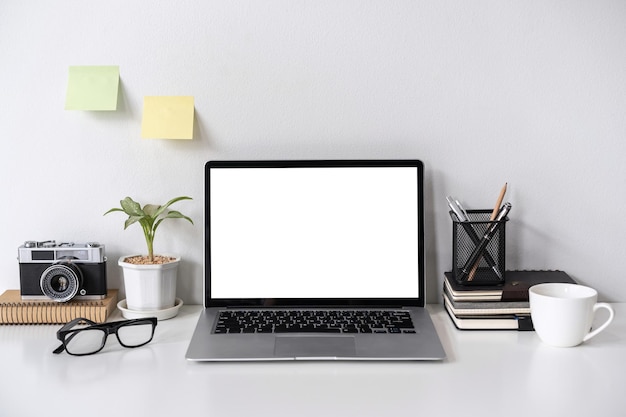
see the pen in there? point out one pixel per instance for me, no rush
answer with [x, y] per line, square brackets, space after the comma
[458, 204]
[489, 234]
[457, 209]
[494, 213]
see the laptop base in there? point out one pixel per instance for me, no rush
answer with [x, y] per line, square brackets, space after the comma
[208, 346]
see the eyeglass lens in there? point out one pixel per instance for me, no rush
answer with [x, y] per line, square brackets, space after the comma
[85, 341]
[89, 340]
[135, 334]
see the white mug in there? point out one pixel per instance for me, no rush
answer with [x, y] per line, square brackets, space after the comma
[562, 313]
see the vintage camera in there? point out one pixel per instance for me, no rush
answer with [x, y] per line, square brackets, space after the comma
[62, 271]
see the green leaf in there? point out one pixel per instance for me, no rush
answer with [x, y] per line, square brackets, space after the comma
[112, 210]
[169, 203]
[151, 210]
[131, 207]
[147, 221]
[131, 220]
[157, 224]
[177, 215]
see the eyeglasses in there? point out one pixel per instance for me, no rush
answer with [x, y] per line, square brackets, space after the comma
[91, 339]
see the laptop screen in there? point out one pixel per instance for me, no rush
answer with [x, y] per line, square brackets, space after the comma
[314, 233]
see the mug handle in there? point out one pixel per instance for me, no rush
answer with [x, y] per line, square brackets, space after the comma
[596, 307]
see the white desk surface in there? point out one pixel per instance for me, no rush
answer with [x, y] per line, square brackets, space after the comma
[487, 373]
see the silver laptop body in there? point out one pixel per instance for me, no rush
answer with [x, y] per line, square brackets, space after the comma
[314, 238]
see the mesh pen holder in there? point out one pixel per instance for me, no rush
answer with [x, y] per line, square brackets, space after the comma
[467, 238]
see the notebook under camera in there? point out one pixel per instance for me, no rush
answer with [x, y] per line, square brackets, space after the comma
[314, 260]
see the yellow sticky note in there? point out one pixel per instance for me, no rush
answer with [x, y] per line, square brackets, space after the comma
[167, 117]
[92, 88]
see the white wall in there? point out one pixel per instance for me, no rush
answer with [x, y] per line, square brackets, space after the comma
[528, 92]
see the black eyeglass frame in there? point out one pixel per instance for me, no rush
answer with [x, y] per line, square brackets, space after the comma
[65, 334]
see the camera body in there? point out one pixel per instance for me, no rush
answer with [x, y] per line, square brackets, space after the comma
[62, 271]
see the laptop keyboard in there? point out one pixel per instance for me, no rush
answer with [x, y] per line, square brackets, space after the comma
[314, 321]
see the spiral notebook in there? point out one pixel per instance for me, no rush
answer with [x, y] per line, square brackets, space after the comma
[14, 310]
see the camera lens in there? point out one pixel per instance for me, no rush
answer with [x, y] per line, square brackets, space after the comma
[61, 281]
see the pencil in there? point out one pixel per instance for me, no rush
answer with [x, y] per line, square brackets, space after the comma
[496, 209]
[493, 216]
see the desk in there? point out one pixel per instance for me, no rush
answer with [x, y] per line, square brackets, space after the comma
[487, 373]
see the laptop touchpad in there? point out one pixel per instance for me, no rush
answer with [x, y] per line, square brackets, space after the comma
[312, 346]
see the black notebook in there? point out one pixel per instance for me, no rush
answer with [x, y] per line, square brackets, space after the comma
[515, 287]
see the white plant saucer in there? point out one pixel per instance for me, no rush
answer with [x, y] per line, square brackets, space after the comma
[164, 314]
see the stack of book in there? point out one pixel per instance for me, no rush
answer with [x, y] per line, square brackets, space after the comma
[495, 307]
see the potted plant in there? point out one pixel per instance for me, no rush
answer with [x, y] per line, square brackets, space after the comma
[149, 280]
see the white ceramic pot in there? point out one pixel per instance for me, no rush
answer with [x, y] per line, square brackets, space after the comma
[150, 287]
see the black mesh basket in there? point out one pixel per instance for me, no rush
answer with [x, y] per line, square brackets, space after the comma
[466, 237]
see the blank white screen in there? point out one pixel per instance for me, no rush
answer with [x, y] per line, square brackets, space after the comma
[314, 232]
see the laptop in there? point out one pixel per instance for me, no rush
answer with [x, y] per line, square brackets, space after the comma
[314, 260]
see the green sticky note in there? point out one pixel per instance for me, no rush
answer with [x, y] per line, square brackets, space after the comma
[92, 88]
[167, 117]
